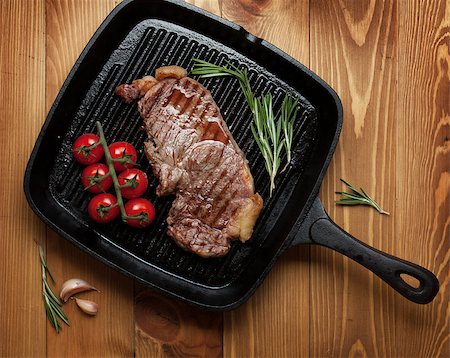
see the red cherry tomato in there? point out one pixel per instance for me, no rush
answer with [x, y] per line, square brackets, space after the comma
[136, 181]
[142, 210]
[125, 155]
[91, 178]
[100, 210]
[87, 150]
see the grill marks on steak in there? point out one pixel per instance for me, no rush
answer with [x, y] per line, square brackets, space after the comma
[194, 156]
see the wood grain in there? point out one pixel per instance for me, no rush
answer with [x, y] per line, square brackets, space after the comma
[353, 46]
[390, 63]
[22, 69]
[213, 6]
[366, 317]
[70, 24]
[423, 148]
[167, 327]
[275, 321]
[284, 23]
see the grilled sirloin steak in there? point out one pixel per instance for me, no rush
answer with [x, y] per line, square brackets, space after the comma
[195, 157]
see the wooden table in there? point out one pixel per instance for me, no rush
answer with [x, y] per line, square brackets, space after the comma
[388, 60]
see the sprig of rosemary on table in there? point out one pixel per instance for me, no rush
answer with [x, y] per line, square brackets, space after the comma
[52, 303]
[355, 197]
[271, 135]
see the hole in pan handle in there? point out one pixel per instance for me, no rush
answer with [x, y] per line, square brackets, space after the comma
[323, 231]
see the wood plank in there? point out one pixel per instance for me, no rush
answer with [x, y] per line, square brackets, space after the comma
[22, 74]
[70, 24]
[168, 327]
[353, 47]
[275, 321]
[284, 23]
[213, 6]
[423, 148]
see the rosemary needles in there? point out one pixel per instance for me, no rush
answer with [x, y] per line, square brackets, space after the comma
[355, 197]
[267, 134]
[52, 303]
[272, 135]
[206, 70]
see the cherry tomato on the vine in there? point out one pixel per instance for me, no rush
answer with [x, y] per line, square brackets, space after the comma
[103, 209]
[91, 178]
[123, 154]
[142, 210]
[87, 150]
[135, 181]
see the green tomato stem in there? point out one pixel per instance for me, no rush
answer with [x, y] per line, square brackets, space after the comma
[130, 183]
[87, 148]
[127, 185]
[92, 146]
[123, 160]
[103, 177]
[97, 181]
[112, 171]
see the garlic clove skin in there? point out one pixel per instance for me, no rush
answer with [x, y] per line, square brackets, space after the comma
[74, 286]
[88, 307]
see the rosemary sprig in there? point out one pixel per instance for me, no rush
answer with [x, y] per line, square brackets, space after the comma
[206, 70]
[289, 110]
[52, 303]
[271, 135]
[355, 197]
[267, 134]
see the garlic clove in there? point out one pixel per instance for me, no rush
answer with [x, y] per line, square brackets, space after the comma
[74, 286]
[88, 307]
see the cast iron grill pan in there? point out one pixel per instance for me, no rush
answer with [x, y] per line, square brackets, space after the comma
[136, 38]
[149, 45]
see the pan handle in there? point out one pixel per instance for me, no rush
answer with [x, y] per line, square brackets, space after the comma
[323, 231]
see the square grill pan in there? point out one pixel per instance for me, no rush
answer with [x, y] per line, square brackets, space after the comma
[135, 39]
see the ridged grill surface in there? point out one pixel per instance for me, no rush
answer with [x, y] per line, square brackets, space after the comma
[151, 44]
